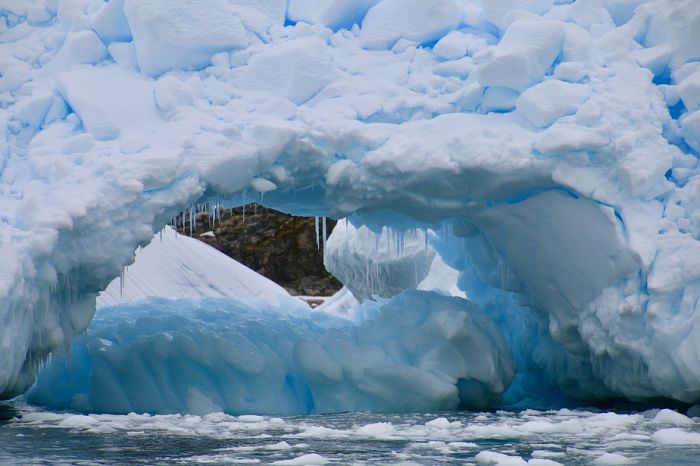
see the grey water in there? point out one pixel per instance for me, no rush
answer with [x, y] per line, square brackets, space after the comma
[29, 435]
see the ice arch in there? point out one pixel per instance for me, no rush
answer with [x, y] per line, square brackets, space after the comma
[578, 177]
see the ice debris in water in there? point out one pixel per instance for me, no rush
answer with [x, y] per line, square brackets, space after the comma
[560, 139]
[530, 437]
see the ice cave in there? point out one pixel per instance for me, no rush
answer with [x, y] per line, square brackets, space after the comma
[516, 183]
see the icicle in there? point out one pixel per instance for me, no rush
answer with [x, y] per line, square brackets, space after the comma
[122, 277]
[324, 235]
[318, 243]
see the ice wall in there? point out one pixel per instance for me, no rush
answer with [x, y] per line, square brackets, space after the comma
[418, 352]
[559, 138]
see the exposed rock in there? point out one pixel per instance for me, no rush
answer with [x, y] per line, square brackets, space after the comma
[279, 246]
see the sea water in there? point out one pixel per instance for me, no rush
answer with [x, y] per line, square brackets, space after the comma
[572, 437]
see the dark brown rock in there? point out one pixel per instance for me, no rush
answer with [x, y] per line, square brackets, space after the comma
[279, 246]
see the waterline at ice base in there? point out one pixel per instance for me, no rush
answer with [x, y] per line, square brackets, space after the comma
[518, 183]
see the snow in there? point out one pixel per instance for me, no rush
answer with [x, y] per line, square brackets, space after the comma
[182, 35]
[421, 22]
[522, 57]
[552, 167]
[453, 46]
[334, 14]
[177, 266]
[296, 70]
[546, 102]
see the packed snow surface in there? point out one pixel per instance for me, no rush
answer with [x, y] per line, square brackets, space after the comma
[177, 266]
[547, 150]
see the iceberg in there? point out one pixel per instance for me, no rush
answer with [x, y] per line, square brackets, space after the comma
[547, 150]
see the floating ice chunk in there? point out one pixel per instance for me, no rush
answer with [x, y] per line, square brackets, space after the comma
[296, 70]
[499, 459]
[171, 35]
[546, 102]
[379, 429]
[676, 436]
[689, 91]
[612, 459]
[415, 20]
[335, 14]
[667, 416]
[454, 45]
[310, 459]
[110, 23]
[526, 51]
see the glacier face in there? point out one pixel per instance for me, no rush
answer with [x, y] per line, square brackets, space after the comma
[554, 142]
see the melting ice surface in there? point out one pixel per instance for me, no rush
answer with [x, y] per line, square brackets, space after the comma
[546, 149]
[536, 438]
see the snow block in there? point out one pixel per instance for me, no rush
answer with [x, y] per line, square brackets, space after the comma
[111, 24]
[79, 48]
[496, 11]
[171, 35]
[689, 91]
[691, 130]
[546, 102]
[453, 46]
[525, 53]
[275, 10]
[335, 14]
[414, 20]
[108, 100]
[296, 70]
[33, 110]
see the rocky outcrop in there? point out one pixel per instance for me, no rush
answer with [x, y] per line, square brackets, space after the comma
[278, 246]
